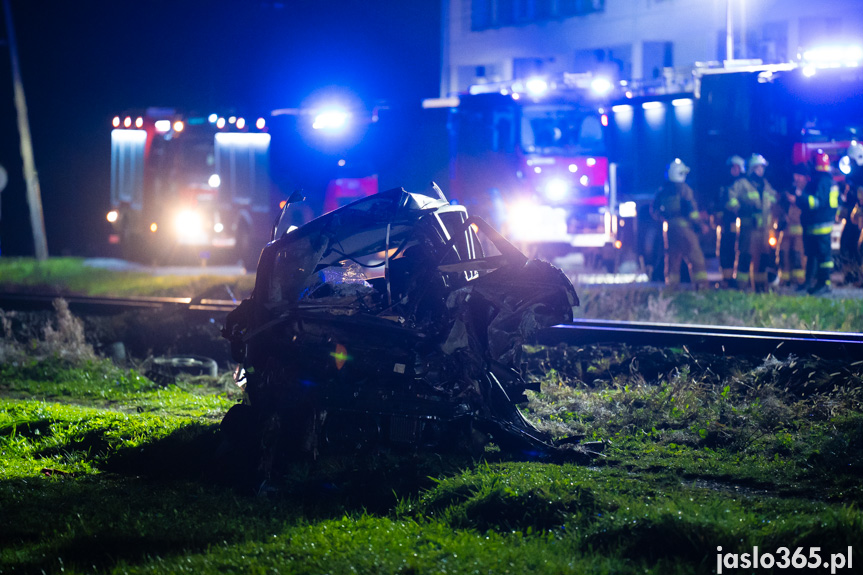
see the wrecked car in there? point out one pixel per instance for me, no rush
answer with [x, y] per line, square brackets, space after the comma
[396, 320]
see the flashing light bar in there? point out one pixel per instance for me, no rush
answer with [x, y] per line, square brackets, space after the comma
[330, 119]
[536, 86]
[834, 56]
[431, 103]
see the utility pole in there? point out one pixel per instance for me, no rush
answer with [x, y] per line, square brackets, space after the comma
[34, 195]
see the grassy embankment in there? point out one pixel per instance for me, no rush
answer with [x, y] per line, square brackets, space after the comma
[72, 276]
[102, 470]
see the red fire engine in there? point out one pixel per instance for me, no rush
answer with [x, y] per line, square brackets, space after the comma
[531, 158]
[190, 185]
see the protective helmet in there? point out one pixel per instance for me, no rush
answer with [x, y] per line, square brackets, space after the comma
[822, 161]
[677, 171]
[736, 161]
[756, 160]
[855, 152]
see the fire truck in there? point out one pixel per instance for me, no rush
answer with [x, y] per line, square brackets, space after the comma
[190, 186]
[531, 158]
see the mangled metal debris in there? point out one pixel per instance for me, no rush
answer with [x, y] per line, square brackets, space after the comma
[395, 320]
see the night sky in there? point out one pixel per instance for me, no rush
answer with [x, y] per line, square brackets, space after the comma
[85, 62]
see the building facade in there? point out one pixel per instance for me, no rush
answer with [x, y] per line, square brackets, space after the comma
[487, 41]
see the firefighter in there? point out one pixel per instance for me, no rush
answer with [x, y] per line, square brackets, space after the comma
[818, 211]
[851, 211]
[675, 205]
[757, 210]
[726, 221]
[791, 230]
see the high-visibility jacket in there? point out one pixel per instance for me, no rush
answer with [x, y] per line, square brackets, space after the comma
[675, 203]
[757, 201]
[819, 204]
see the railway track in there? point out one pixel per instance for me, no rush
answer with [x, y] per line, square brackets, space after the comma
[721, 340]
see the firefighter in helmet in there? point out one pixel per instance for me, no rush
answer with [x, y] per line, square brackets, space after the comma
[757, 210]
[791, 230]
[851, 211]
[675, 205]
[726, 221]
[818, 212]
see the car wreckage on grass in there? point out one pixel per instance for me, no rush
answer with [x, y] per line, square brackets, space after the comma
[396, 320]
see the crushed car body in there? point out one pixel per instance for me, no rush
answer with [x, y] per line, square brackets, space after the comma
[395, 320]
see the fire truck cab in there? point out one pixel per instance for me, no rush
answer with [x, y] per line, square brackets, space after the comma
[186, 186]
[531, 158]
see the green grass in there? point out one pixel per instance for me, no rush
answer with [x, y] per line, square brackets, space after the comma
[71, 276]
[104, 471]
[722, 307]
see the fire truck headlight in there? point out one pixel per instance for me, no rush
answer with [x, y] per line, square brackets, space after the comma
[112, 216]
[627, 210]
[331, 119]
[188, 223]
[215, 181]
[601, 86]
[556, 189]
[528, 222]
[218, 227]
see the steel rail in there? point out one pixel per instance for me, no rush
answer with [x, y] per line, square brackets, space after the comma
[101, 305]
[721, 340]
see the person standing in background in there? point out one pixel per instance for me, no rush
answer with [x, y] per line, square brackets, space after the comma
[675, 205]
[726, 221]
[792, 272]
[818, 212]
